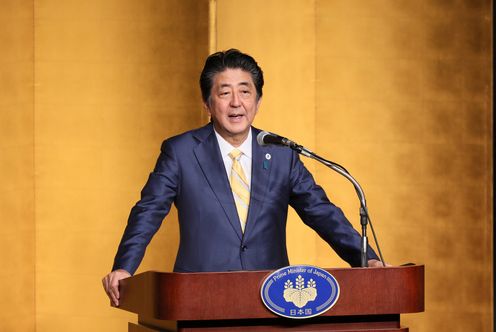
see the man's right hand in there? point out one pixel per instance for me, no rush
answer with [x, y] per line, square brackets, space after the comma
[111, 285]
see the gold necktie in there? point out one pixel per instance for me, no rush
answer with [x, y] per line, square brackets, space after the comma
[239, 187]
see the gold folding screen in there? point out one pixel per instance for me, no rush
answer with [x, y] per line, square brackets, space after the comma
[112, 80]
[398, 92]
[17, 232]
[89, 89]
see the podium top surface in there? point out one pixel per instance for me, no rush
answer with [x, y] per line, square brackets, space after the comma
[236, 295]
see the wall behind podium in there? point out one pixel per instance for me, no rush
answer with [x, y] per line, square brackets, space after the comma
[88, 91]
[17, 201]
[398, 92]
[112, 80]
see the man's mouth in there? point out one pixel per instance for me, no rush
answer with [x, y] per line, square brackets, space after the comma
[235, 116]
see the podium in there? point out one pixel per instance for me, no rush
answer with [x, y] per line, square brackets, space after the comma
[371, 299]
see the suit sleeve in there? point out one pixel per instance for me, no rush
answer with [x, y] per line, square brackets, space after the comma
[146, 216]
[314, 208]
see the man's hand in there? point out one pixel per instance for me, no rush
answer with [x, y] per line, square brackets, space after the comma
[376, 263]
[111, 285]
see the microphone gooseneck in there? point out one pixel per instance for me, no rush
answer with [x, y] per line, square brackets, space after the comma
[267, 138]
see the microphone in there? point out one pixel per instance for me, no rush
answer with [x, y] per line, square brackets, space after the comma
[266, 138]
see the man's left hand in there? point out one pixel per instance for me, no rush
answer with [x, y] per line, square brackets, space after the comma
[376, 263]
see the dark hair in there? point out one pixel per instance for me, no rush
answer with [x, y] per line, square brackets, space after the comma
[232, 58]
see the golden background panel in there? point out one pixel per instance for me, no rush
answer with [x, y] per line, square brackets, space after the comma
[399, 94]
[113, 79]
[17, 203]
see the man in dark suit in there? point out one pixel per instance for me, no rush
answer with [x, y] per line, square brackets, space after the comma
[231, 194]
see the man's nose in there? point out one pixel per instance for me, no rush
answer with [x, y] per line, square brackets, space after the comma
[235, 100]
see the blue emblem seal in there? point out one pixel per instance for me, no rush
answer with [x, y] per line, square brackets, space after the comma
[299, 291]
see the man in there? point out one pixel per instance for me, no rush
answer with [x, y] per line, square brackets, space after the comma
[231, 194]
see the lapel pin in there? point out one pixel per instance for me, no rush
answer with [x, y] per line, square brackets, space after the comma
[266, 161]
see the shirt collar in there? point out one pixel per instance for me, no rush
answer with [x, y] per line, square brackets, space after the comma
[226, 147]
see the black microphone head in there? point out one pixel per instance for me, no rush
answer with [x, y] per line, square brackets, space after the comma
[261, 136]
[266, 138]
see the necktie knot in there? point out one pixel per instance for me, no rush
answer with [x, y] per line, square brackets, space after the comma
[235, 154]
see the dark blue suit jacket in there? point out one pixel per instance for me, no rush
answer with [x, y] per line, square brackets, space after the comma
[190, 173]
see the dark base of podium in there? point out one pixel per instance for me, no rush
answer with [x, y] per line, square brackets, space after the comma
[376, 323]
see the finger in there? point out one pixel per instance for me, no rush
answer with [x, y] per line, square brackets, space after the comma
[114, 301]
[113, 298]
[108, 289]
[114, 290]
[114, 287]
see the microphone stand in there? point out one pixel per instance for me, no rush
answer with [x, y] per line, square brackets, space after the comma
[363, 204]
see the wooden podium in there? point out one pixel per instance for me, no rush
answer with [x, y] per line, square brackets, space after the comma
[371, 299]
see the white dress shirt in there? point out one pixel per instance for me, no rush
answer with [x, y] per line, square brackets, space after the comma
[245, 159]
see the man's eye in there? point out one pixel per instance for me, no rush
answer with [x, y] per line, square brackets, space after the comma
[245, 92]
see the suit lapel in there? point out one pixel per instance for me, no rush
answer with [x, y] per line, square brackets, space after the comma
[210, 160]
[260, 172]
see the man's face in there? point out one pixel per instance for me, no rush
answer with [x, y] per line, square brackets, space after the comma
[233, 104]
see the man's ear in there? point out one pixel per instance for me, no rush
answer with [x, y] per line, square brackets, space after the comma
[206, 107]
[259, 101]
